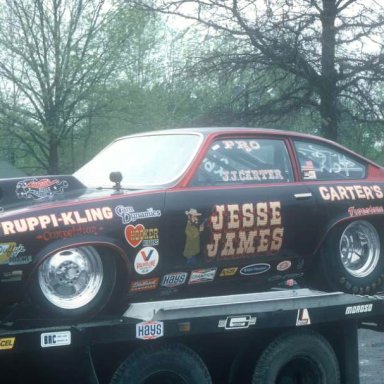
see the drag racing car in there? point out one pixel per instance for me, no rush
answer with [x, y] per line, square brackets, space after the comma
[190, 212]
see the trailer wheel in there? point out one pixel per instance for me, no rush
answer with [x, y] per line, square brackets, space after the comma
[168, 364]
[299, 356]
[352, 258]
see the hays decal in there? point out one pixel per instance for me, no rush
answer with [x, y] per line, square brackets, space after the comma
[351, 192]
[239, 230]
[33, 223]
[39, 189]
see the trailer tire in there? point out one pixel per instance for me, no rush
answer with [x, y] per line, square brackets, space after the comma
[167, 364]
[299, 356]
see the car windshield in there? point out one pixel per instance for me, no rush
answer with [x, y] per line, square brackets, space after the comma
[144, 161]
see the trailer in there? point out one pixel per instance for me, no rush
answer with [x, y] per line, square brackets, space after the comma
[280, 336]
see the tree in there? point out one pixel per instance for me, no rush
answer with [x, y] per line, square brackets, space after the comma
[53, 53]
[328, 53]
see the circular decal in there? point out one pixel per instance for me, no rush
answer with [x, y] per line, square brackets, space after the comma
[146, 260]
[255, 269]
[284, 265]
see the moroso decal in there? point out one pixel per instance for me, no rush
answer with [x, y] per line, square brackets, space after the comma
[144, 285]
[149, 330]
[174, 279]
[10, 254]
[128, 214]
[76, 230]
[363, 308]
[239, 230]
[365, 211]
[137, 234]
[38, 189]
[34, 223]
[146, 260]
[351, 192]
[202, 275]
[255, 269]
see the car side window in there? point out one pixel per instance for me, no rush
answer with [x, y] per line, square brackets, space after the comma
[321, 162]
[244, 161]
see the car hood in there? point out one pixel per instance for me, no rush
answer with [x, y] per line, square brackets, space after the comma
[20, 193]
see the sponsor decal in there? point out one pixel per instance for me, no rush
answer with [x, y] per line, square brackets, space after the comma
[192, 232]
[76, 230]
[245, 145]
[146, 260]
[237, 322]
[174, 279]
[252, 175]
[33, 223]
[308, 170]
[55, 339]
[144, 285]
[202, 275]
[128, 214]
[363, 308]
[351, 192]
[284, 265]
[11, 276]
[10, 254]
[240, 230]
[365, 211]
[38, 189]
[303, 317]
[149, 330]
[137, 234]
[7, 343]
[255, 269]
[231, 271]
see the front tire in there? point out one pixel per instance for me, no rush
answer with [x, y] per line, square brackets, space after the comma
[352, 258]
[75, 283]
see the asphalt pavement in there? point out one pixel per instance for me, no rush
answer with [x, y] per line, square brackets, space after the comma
[371, 357]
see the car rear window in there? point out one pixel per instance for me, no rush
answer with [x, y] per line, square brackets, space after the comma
[322, 162]
[244, 161]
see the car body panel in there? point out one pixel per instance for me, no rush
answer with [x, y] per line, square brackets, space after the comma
[175, 237]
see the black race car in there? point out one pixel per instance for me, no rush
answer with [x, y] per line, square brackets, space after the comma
[191, 212]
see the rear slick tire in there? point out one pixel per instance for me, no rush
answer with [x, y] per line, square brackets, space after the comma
[352, 258]
[297, 357]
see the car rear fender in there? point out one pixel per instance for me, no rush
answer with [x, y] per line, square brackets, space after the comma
[373, 218]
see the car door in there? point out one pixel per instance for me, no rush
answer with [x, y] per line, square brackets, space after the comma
[337, 181]
[242, 214]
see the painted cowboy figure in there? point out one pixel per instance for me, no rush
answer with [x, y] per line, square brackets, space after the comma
[192, 233]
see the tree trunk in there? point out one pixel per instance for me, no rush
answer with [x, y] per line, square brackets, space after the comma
[328, 87]
[53, 157]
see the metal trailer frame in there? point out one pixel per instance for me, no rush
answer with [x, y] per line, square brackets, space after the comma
[336, 315]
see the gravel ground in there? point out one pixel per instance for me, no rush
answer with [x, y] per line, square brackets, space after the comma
[371, 357]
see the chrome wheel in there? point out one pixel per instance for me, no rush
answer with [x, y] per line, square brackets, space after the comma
[360, 248]
[72, 278]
